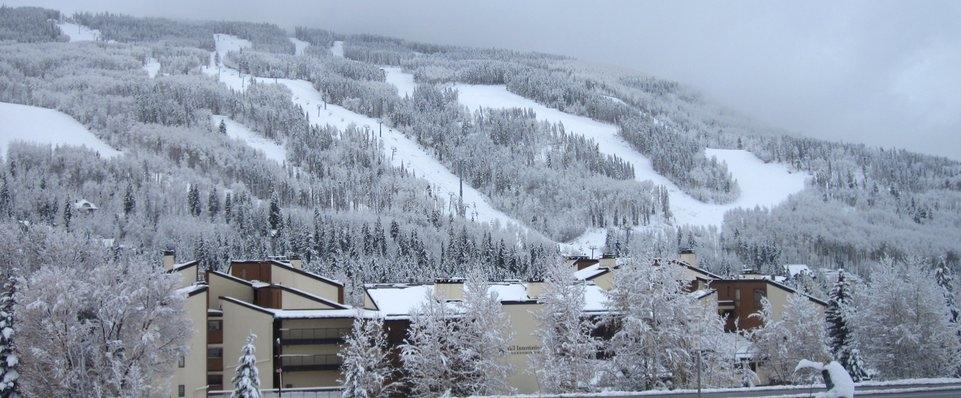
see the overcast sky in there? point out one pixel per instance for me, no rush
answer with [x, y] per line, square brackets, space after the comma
[881, 72]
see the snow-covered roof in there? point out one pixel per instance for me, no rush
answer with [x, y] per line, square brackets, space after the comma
[399, 299]
[595, 298]
[590, 272]
[509, 291]
[794, 269]
[84, 204]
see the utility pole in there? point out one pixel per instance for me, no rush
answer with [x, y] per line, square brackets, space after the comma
[698, 373]
[460, 200]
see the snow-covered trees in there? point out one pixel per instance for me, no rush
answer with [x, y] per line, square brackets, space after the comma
[9, 360]
[841, 339]
[798, 333]
[660, 329]
[458, 348]
[111, 330]
[567, 357]
[903, 324]
[366, 366]
[246, 378]
[482, 333]
[430, 350]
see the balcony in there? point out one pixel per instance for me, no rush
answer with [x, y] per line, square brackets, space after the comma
[313, 336]
[293, 363]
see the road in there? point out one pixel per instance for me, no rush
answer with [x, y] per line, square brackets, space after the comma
[952, 390]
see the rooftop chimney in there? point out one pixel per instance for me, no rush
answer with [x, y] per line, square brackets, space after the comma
[608, 261]
[296, 262]
[688, 256]
[169, 259]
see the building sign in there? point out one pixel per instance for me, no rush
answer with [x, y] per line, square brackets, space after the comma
[523, 349]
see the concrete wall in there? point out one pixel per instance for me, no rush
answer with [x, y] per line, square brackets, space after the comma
[221, 286]
[284, 276]
[239, 321]
[524, 342]
[193, 376]
[293, 301]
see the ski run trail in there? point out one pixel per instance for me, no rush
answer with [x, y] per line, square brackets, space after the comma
[236, 130]
[77, 32]
[398, 149]
[46, 126]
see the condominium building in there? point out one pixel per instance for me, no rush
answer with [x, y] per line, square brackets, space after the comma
[300, 318]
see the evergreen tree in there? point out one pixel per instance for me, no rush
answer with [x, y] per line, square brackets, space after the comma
[222, 127]
[274, 217]
[429, 352]
[564, 362]
[228, 207]
[840, 337]
[193, 200]
[67, 214]
[366, 364]
[247, 378]
[9, 361]
[213, 203]
[129, 203]
[6, 201]
[945, 279]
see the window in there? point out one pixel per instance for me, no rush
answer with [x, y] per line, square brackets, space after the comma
[215, 352]
[758, 297]
[182, 362]
[214, 325]
[181, 391]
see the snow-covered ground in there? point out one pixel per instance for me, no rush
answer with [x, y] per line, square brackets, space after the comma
[403, 81]
[78, 32]
[45, 126]
[226, 43]
[337, 49]
[299, 45]
[152, 66]
[399, 150]
[762, 184]
[270, 149]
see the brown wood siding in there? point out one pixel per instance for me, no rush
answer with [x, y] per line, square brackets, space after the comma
[269, 297]
[744, 305]
[250, 271]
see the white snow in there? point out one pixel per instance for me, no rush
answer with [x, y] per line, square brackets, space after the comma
[403, 81]
[843, 385]
[509, 291]
[399, 150]
[45, 126]
[399, 299]
[299, 45]
[337, 49]
[236, 130]
[590, 243]
[589, 272]
[78, 32]
[225, 43]
[794, 269]
[151, 66]
[762, 184]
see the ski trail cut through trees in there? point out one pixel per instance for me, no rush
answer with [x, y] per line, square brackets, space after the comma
[398, 149]
[46, 126]
[762, 184]
[77, 32]
[239, 131]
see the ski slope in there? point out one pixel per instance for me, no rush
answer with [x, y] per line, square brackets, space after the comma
[398, 149]
[403, 81]
[225, 43]
[77, 32]
[151, 66]
[299, 45]
[337, 49]
[45, 126]
[762, 184]
[236, 130]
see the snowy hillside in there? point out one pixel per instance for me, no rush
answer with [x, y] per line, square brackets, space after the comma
[403, 81]
[78, 32]
[299, 45]
[227, 43]
[45, 126]
[762, 184]
[337, 49]
[400, 150]
[152, 66]
[270, 149]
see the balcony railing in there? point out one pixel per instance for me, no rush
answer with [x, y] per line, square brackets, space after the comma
[313, 336]
[310, 362]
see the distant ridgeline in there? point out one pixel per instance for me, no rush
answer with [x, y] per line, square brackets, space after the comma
[344, 204]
